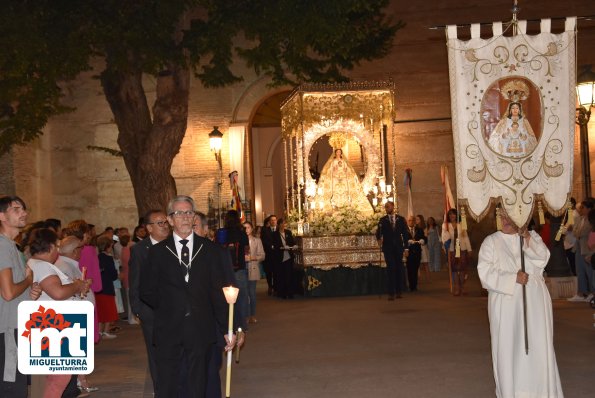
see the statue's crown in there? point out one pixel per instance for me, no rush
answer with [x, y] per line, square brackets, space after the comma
[515, 91]
[337, 140]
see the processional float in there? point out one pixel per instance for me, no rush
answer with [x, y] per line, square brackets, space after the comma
[338, 142]
[350, 115]
[513, 115]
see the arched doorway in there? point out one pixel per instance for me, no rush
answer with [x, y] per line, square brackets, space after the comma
[267, 158]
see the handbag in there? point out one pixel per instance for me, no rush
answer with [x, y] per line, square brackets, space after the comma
[253, 271]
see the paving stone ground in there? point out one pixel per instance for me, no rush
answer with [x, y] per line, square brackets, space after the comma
[429, 344]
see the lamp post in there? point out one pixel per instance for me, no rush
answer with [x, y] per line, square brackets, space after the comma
[585, 90]
[215, 140]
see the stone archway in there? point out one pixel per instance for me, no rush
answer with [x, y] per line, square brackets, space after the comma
[258, 110]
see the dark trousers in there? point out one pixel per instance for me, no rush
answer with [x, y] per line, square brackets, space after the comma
[213, 378]
[213, 388]
[147, 322]
[283, 279]
[71, 390]
[412, 270]
[18, 388]
[268, 270]
[394, 271]
[571, 260]
[171, 358]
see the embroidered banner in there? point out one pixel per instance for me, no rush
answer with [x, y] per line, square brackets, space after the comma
[513, 108]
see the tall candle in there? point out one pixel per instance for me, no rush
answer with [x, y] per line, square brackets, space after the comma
[229, 353]
[231, 295]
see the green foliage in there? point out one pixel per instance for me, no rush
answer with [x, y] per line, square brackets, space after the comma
[40, 47]
[47, 42]
[315, 40]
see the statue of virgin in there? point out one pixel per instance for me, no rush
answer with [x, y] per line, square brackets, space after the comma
[340, 185]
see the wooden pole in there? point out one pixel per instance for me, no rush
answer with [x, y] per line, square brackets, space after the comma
[524, 298]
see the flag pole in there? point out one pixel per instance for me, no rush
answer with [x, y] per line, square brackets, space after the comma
[524, 298]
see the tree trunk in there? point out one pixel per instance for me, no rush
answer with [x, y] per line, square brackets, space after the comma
[149, 146]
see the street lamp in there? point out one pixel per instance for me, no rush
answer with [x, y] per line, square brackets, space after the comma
[215, 140]
[585, 90]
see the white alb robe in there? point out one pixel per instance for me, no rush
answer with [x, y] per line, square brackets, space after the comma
[516, 374]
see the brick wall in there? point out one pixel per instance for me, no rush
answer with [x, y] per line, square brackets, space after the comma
[64, 179]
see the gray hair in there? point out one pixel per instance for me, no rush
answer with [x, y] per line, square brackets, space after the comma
[69, 244]
[177, 199]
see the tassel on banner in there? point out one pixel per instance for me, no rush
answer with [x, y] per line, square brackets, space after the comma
[560, 232]
[540, 211]
[570, 215]
[498, 219]
[458, 249]
[463, 219]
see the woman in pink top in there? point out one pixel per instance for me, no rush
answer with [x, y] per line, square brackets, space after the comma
[88, 261]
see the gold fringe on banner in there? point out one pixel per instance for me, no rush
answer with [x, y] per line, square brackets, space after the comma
[498, 219]
[463, 219]
[540, 212]
[570, 215]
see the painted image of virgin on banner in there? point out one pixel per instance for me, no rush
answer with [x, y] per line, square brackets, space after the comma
[512, 117]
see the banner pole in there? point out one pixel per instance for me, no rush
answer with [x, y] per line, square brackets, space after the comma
[524, 299]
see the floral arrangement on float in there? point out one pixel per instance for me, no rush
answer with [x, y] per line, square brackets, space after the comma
[342, 221]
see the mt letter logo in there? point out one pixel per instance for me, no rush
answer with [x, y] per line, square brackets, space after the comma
[56, 337]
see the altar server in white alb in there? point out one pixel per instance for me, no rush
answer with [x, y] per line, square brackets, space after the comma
[516, 373]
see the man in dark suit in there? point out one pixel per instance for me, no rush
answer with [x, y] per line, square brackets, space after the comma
[416, 240]
[392, 235]
[158, 229]
[283, 273]
[183, 285]
[271, 242]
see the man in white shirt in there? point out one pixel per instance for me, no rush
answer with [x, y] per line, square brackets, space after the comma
[15, 282]
[182, 282]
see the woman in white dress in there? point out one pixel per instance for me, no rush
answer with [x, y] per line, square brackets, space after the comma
[516, 373]
[55, 285]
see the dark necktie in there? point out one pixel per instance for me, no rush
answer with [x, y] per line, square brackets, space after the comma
[185, 257]
[392, 221]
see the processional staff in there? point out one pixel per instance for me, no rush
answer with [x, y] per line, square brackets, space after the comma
[524, 297]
